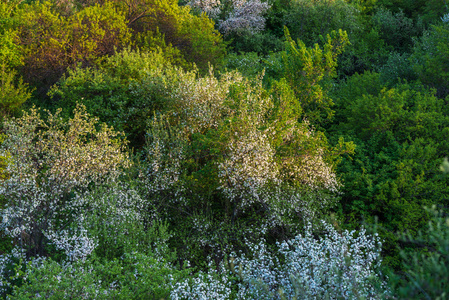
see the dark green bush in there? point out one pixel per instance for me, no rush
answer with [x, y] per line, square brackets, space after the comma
[399, 134]
[430, 58]
[426, 261]
[396, 29]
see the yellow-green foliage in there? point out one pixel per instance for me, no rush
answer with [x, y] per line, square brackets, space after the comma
[53, 43]
[97, 31]
[194, 36]
[10, 50]
[205, 43]
[308, 71]
[3, 161]
[13, 92]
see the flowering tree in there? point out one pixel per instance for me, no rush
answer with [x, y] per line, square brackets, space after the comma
[249, 142]
[245, 17]
[236, 16]
[53, 163]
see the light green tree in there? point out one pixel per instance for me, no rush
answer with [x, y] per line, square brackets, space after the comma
[309, 72]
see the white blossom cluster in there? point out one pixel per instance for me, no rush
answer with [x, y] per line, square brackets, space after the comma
[201, 101]
[445, 18]
[336, 266]
[253, 172]
[165, 154]
[120, 203]
[52, 164]
[76, 243]
[246, 16]
[204, 286]
[248, 168]
[211, 7]
[241, 16]
[313, 172]
[9, 260]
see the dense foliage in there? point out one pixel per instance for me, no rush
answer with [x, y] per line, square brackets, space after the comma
[224, 149]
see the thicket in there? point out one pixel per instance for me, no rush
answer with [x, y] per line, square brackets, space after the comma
[224, 149]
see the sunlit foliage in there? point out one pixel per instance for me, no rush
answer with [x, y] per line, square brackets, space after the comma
[52, 163]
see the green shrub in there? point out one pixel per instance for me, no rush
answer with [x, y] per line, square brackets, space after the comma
[426, 263]
[412, 8]
[399, 133]
[309, 72]
[397, 69]
[13, 93]
[396, 29]
[262, 43]
[431, 56]
[124, 91]
[249, 64]
[308, 20]
[134, 275]
[367, 52]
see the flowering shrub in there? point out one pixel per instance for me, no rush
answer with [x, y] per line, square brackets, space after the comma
[10, 265]
[211, 7]
[335, 266]
[225, 150]
[248, 167]
[211, 285]
[165, 153]
[236, 16]
[52, 165]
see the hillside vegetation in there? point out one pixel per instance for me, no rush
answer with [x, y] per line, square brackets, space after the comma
[224, 149]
